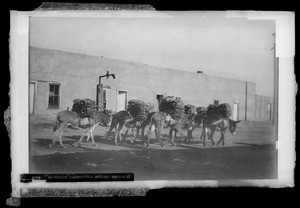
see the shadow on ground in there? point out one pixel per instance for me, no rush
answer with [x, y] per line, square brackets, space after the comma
[239, 162]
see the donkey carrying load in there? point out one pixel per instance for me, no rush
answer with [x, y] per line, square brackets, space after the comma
[217, 116]
[134, 118]
[118, 121]
[70, 119]
[181, 117]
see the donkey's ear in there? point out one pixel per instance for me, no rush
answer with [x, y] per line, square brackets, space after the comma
[238, 121]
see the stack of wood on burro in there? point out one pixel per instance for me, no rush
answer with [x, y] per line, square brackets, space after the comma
[222, 111]
[139, 109]
[173, 107]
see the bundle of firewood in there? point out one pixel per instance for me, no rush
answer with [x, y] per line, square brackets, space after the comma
[225, 110]
[213, 110]
[174, 107]
[139, 109]
[84, 107]
[222, 110]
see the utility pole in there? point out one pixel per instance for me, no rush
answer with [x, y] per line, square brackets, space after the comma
[100, 90]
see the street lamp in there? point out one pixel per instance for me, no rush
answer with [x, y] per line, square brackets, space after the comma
[100, 89]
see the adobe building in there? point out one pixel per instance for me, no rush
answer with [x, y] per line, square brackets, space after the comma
[57, 78]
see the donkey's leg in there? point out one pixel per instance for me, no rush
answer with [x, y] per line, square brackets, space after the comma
[91, 132]
[202, 133]
[171, 134]
[205, 134]
[158, 134]
[180, 136]
[136, 134]
[86, 131]
[89, 135]
[151, 128]
[211, 135]
[178, 131]
[58, 134]
[189, 135]
[221, 138]
[118, 133]
[142, 133]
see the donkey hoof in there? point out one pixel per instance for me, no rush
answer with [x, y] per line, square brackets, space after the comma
[95, 145]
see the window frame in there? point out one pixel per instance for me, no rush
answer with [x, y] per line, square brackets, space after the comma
[104, 100]
[59, 96]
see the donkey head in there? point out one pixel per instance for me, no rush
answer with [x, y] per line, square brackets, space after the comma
[232, 126]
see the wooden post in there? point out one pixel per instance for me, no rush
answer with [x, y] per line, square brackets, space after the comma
[100, 96]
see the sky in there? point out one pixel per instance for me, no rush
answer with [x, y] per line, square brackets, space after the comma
[230, 48]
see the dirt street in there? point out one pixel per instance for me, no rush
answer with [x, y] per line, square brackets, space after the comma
[250, 154]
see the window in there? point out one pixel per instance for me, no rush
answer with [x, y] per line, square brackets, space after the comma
[216, 102]
[104, 99]
[53, 101]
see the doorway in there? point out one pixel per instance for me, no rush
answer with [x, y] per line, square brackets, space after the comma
[121, 100]
[236, 110]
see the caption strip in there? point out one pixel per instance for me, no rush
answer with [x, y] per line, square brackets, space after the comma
[26, 178]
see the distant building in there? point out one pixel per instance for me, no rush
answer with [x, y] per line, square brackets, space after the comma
[57, 78]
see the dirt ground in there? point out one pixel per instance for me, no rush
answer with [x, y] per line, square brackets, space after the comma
[250, 154]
